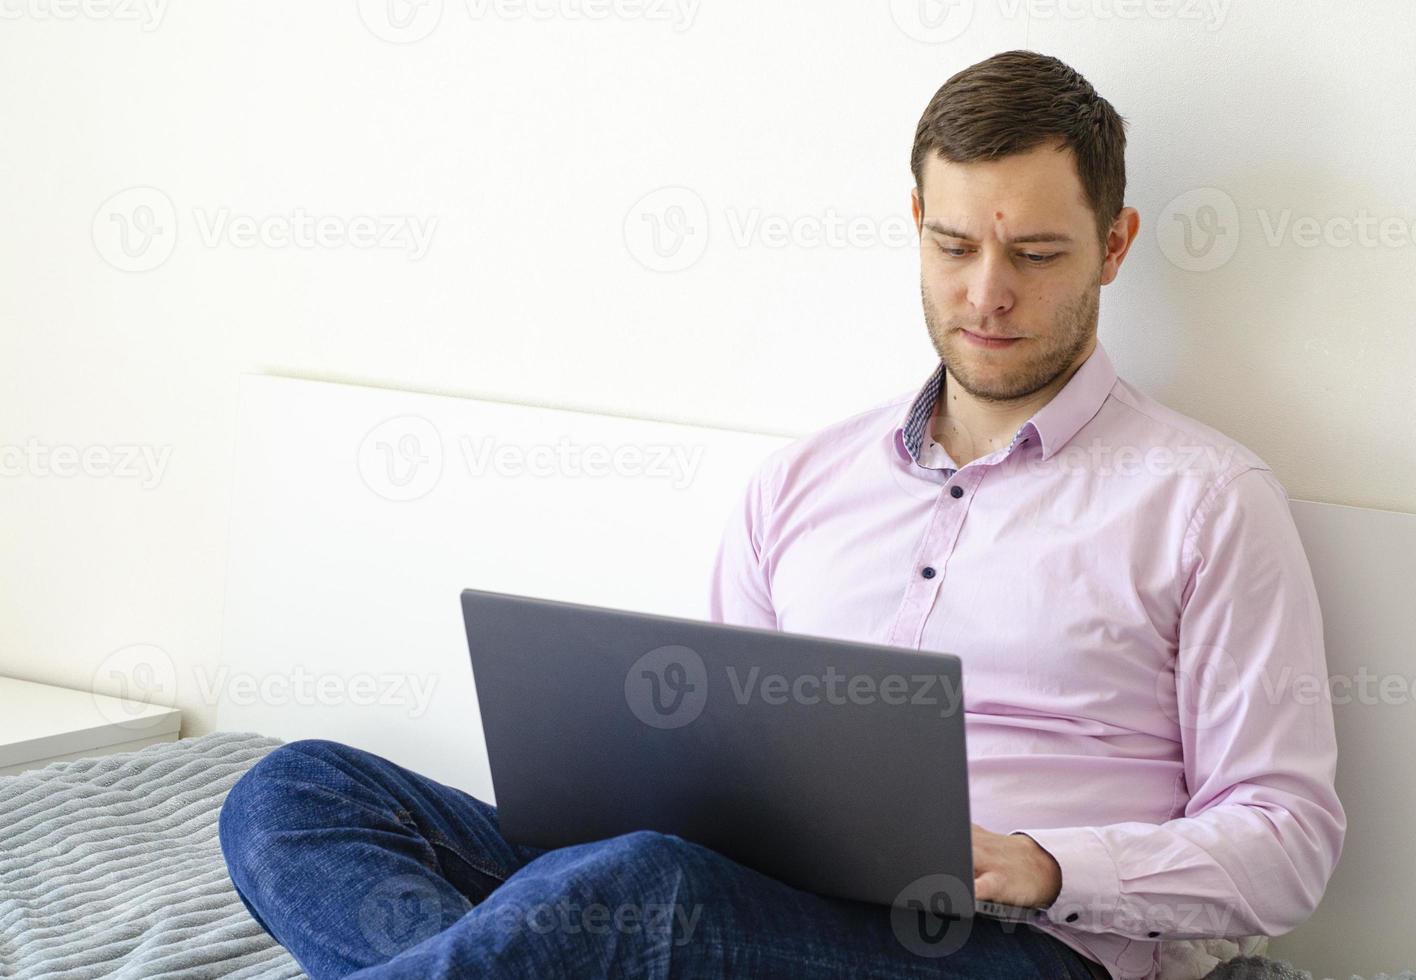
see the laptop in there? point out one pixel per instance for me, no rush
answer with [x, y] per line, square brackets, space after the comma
[833, 766]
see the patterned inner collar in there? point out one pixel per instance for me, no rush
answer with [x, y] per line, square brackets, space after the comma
[922, 410]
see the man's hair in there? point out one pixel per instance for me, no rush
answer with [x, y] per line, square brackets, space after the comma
[1016, 100]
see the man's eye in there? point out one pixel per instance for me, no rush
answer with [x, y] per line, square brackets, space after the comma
[1033, 258]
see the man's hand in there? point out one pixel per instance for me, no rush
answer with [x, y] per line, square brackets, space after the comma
[1014, 869]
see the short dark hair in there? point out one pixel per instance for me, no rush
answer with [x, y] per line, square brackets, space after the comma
[1016, 100]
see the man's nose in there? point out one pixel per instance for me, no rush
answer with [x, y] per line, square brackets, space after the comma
[991, 286]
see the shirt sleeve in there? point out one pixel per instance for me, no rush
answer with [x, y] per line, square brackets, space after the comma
[1263, 827]
[738, 592]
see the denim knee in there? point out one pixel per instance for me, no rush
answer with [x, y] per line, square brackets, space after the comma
[652, 843]
[647, 850]
[318, 748]
[256, 794]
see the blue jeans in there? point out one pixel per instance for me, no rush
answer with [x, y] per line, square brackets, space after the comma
[362, 868]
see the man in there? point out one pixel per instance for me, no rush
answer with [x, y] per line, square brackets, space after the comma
[1124, 585]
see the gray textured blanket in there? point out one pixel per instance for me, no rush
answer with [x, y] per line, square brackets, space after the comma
[110, 867]
[1258, 968]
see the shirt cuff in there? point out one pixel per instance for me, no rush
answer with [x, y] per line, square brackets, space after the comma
[1091, 886]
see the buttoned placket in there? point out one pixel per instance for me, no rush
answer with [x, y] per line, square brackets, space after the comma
[930, 567]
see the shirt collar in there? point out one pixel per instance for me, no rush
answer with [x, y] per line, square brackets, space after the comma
[1054, 423]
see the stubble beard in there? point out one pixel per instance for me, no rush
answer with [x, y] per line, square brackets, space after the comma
[1043, 358]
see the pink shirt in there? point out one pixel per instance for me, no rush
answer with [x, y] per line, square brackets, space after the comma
[1144, 678]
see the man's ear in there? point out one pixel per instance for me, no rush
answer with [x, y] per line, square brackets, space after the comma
[916, 209]
[1118, 242]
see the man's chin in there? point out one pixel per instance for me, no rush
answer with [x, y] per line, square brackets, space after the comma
[984, 377]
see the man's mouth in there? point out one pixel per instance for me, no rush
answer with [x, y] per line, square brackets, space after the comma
[989, 343]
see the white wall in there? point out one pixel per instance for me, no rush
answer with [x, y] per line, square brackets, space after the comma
[529, 144]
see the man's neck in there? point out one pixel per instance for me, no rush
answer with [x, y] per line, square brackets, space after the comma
[969, 428]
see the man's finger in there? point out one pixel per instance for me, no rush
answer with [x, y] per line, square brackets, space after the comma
[988, 886]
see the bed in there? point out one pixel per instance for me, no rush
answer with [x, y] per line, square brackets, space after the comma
[110, 867]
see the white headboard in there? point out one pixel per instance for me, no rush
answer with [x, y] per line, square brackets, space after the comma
[1364, 564]
[358, 515]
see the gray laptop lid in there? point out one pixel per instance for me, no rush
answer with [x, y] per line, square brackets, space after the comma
[836, 767]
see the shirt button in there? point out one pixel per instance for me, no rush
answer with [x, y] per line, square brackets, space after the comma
[1073, 917]
[956, 492]
[927, 571]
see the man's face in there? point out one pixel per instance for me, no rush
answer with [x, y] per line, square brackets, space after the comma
[1009, 249]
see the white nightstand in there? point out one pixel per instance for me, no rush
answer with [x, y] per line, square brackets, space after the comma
[40, 724]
